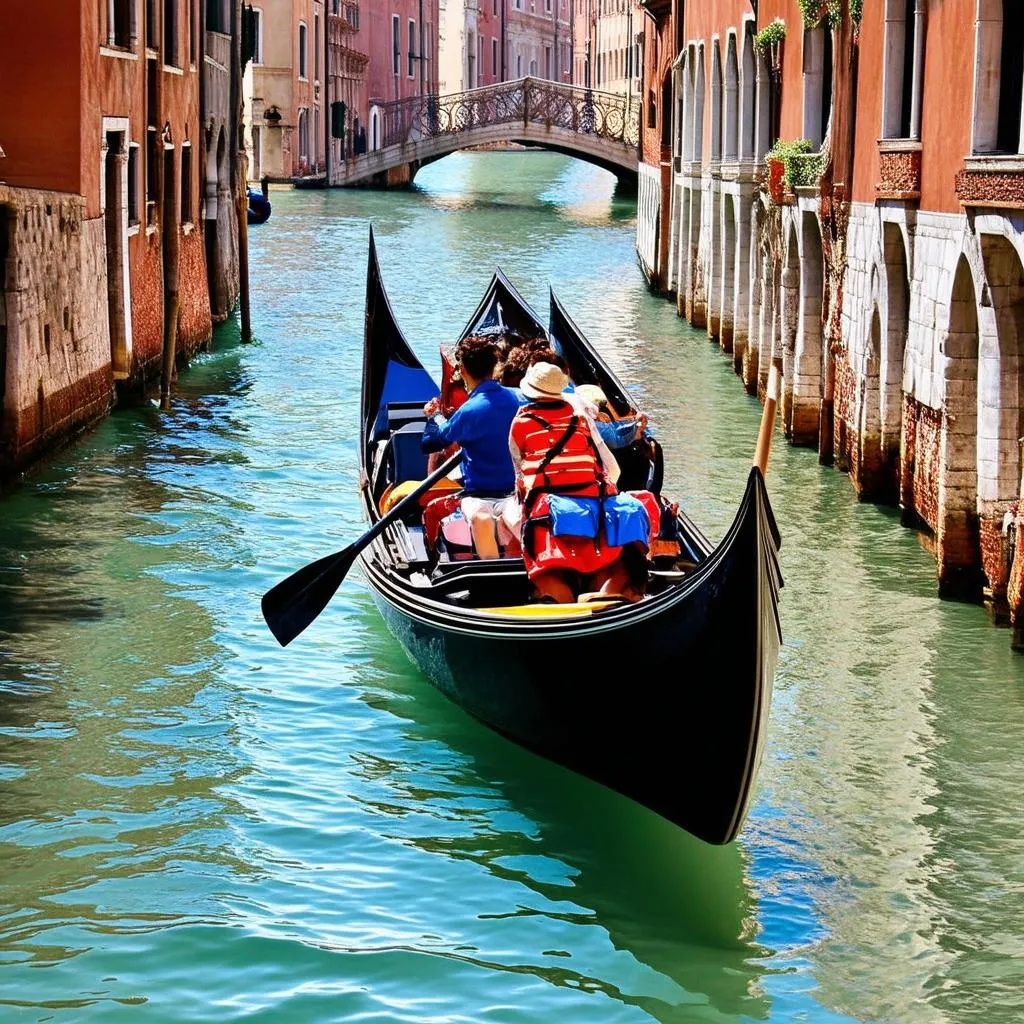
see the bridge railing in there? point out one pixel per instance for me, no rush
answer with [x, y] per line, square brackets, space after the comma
[524, 101]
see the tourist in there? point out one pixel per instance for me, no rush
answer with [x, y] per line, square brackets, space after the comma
[481, 426]
[576, 527]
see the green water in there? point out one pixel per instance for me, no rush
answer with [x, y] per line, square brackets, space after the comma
[198, 826]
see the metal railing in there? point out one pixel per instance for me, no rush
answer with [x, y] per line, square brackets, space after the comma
[523, 101]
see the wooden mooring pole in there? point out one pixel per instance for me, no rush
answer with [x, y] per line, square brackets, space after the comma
[771, 402]
[243, 252]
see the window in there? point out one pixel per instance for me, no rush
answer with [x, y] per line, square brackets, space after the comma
[316, 46]
[216, 16]
[303, 128]
[152, 175]
[257, 36]
[186, 183]
[192, 30]
[1011, 78]
[133, 184]
[303, 54]
[121, 23]
[152, 25]
[547, 6]
[494, 57]
[899, 74]
[817, 71]
[479, 59]
[412, 48]
[396, 44]
[494, 8]
[547, 62]
[533, 69]
[171, 32]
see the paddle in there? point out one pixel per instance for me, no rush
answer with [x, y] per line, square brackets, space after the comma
[296, 601]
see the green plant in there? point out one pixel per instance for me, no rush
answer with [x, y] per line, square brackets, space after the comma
[813, 11]
[772, 33]
[856, 9]
[801, 165]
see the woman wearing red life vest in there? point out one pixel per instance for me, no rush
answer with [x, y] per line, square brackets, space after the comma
[565, 546]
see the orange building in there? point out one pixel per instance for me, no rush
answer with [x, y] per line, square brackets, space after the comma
[102, 206]
[845, 199]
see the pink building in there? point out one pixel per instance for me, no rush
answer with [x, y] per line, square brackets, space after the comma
[400, 37]
[538, 39]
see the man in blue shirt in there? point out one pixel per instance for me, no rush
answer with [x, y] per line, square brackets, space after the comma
[481, 426]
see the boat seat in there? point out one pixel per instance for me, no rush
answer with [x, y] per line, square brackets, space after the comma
[406, 458]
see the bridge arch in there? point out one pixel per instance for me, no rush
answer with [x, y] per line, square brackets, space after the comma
[600, 128]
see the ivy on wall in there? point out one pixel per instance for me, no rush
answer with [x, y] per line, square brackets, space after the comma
[802, 165]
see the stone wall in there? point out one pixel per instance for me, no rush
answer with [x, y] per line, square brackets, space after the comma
[53, 318]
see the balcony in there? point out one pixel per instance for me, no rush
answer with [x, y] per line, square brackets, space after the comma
[899, 165]
[992, 182]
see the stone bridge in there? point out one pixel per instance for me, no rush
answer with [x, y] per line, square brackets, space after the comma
[403, 136]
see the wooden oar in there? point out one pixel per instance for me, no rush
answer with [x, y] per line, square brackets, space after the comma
[764, 435]
[296, 601]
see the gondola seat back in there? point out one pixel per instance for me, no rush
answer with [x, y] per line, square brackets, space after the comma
[406, 458]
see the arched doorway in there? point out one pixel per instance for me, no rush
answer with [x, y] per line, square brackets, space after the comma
[1000, 405]
[869, 426]
[728, 261]
[958, 548]
[894, 343]
[789, 323]
[807, 375]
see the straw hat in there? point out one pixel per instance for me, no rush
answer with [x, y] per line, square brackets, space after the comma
[591, 393]
[544, 380]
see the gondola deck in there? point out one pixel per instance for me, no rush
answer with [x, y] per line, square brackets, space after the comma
[681, 727]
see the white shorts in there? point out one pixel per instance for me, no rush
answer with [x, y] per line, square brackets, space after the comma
[507, 514]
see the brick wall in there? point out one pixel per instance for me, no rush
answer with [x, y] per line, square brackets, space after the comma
[54, 315]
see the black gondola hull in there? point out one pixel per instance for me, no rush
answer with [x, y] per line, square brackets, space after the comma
[668, 708]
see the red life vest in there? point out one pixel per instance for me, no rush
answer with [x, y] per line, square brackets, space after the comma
[558, 452]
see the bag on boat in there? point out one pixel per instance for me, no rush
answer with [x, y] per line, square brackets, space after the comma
[625, 518]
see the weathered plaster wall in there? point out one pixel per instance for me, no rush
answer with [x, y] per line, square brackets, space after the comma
[58, 377]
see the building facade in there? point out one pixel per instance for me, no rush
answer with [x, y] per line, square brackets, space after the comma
[104, 203]
[846, 201]
[539, 39]
[607, 45]
[286, 106]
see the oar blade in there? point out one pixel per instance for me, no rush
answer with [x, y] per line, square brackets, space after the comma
[295, 602]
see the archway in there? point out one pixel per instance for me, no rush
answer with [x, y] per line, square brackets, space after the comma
[751, 353]
[894, 343]
[807, 376]
[789, 322]
[869, 426]
[730, 130]
[716, 103]
[748, 73]
[729, 264]
[1000, 405]
[956, 522]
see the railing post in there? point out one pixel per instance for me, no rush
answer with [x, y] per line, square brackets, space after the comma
[526, 101]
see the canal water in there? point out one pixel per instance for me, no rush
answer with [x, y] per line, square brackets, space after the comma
[198, 825]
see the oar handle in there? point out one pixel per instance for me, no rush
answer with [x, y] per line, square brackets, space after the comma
[764, 436]
[396, 513]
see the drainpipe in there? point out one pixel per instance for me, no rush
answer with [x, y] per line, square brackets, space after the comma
[504, 45]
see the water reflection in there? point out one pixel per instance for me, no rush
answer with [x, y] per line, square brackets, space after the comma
[678, 914]
[116, 734]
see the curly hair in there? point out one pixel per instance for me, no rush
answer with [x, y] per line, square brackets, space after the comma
[548, 355]
[514, 366]
[479, 355]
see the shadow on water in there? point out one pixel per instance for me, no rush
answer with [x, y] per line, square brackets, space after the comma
[677, 906]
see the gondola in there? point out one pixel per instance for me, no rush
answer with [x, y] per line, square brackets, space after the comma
[258, 209]
[666, 700]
